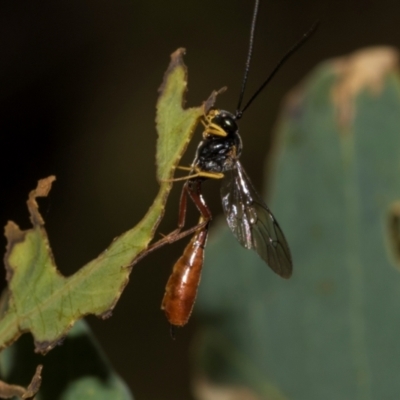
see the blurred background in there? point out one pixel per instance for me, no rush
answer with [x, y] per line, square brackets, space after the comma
[78, 89]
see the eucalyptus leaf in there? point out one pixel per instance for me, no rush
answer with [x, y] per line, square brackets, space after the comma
[331, 331]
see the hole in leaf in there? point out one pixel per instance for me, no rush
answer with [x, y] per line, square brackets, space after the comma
[393, 227]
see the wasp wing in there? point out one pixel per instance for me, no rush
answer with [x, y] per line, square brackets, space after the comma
[252, 223]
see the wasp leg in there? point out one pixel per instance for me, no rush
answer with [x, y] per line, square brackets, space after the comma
[172, 237]
[194, 192]
[184, 168]
[198, 174]
[201, 174]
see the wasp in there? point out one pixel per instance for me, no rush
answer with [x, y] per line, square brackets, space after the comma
[248, 217]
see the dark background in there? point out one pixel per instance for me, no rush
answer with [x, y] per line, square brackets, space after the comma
[79, 83]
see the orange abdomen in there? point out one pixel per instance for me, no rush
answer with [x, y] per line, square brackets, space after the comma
[181, 289]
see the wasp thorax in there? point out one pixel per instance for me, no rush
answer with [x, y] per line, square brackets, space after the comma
[221, 145]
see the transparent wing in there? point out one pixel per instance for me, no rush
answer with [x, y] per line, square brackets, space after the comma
[251, 221]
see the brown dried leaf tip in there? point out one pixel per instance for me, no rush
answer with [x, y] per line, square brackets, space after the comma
[8, 391]
[42, 190]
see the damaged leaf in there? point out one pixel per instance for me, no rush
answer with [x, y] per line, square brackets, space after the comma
[46, 303]
[8, 391]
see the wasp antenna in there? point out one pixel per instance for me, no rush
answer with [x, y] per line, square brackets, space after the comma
[289, 53]
[238, 113]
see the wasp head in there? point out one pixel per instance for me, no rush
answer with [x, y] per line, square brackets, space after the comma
[220, 123]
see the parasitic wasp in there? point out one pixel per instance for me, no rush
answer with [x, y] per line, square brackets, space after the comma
[249, 218]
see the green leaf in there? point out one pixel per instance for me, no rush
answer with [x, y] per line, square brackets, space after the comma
[331, 331]
[48, 304]
[77, 370]
[173, 122]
